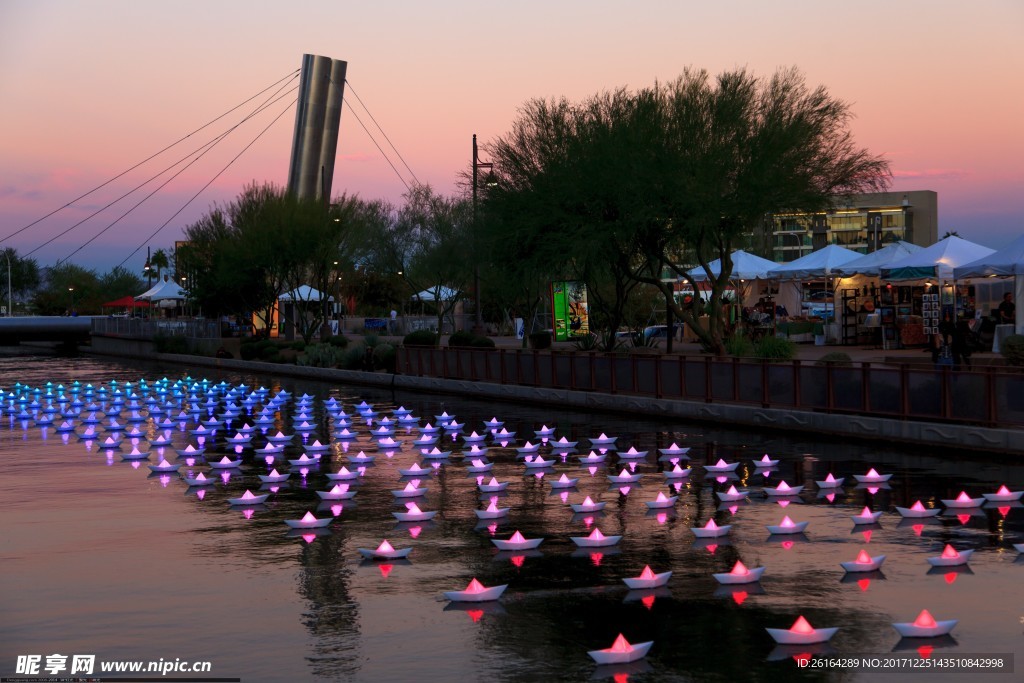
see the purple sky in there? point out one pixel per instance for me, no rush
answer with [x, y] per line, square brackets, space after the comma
[92, 88]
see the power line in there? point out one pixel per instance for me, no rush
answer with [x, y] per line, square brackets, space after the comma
[407, 188]
[349, 84]
[291, 75]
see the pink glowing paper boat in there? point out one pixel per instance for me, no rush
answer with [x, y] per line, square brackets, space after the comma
[787, 526]
[1003, 495]
[595, 540]
[925, 626]
[493, 486]
[226, 463]
[337, 492]
[624, 477]
[733, 494]
[951, 557]
[415, 471]
[361, 458]
[872, 477]
[593, 458]
[249, 498]
[710, 530]
[199, 480]
[492, 511]
[648, 579]
[136, 454]
[528, 448]
[517, 542]
[917, 510]
[1019, 547]
[274, 477]
[413, 514]
[662, 501]
[563, 444]
[384, 551]
[436, 454]
[280, 438]
[410, 491]
[239, 439]
[864, 563]
[632, 454]
[309, 521]
[544, 432]
[765, 461]
[866, 516]
[317, 447]
[538, 462]
[783, 489]
[678, 472]
[343, 474]
[739, 574]
[801, 633]
[305, 427]
[564, 482]
[603, 440]
[621, 652]
[587, 505]
[830, 482]
[305, 461]
[476, 592]
[164, 466]
[964, 501]
[493, 423]
[722, 466]
[675, 451]
[477, 466]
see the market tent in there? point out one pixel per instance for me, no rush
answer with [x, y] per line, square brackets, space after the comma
[745, 266]
[303, 293]
[936, 261]
[872, 264]
[125, 302]
[438, 293]
[818, 264]
[1005, 262]
[166, 290]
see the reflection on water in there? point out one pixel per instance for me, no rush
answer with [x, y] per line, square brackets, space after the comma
[102, 557]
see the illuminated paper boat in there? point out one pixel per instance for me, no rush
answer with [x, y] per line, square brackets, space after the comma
[787, 526]
[249, 498]
[317, 447]
[345, 434]
[385, 551]
[239, 439]
[596, 539]
[164, 466]
[436, 454]
[872, 477]
[381, 432]
[493, 423]
[473, 437]
[444, 417]
[739, 574]
[733, 494]
[722, 466]
[454, 426]
[866, 516]
[783, 489]
[830, 482]
[199, 480]
[1003, 495]
[477, 466]
[189, 451]
[226, 463]
[361, 458]
[492, 511]
[1019, 547]
[675, 451]
[337, 492]
[528, 448]
[593, 458]
[925, 626]
[801, 633]
[662, 501]
[538, 462]
[274, 477]
[951, 557]
[624, 477]
[136, 454]
[564, 482]
[517, 542]
[678, 472]
[476, 592]
[563, 444]
[504, 435]
[409, 491]
[648, 579]
[710, 530]
[413, 514]
[603, 440]
[493, 486]
[765, 461]
[308, 521]
[632, 454]
[343, 474]
[917, 510]
[544, 432]
[864, 563]
[587, 505]
[157, 442]
[963, 501]
[415, 471]
[621, 652]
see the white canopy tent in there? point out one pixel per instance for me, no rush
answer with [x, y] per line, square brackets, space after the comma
[822, 263]
[872, 264]
[1005, 262]
[747, 271]
[935, 262]
[438, 293]
[164, 294]
[303, 293]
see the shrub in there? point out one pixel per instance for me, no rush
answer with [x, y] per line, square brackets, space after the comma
[371, 339]
[775, 348]
[421, 338]
[482, 342]
[354, 358]
[836, 359]
[540, 340]
[739, 345]
[248, 351]
[461, 338]
[299, 345]
[338, 340]
[588, 342]
[384, 357]
[1012, 349]
[321, 356]
[176, 343]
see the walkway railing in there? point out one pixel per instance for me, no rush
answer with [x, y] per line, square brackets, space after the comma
[137, 328]
[990, 396]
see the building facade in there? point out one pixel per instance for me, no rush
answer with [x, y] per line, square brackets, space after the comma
[863, 223]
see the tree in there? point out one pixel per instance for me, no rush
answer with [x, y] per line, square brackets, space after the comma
[69, 289]
[119, 282]
[24, 277]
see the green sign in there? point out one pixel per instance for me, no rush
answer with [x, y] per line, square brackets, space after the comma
[570, 310]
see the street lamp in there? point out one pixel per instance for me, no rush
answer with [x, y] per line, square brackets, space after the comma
[72, 309]
[10, 306]
[478, 323]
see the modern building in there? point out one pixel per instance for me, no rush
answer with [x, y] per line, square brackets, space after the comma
[862, 223]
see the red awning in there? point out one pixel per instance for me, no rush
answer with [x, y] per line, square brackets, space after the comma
[125, 302]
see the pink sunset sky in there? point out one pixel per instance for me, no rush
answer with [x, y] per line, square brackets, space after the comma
[91, 88]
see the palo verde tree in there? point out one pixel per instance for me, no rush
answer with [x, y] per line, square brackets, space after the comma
[23, 276]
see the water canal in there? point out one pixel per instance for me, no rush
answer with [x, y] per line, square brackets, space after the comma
[102, 557]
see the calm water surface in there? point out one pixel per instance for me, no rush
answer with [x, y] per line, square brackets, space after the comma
[101, 557]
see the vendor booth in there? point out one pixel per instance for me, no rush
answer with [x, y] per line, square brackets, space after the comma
[995, 275]
[816, 278]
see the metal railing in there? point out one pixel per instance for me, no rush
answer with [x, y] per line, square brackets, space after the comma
[138, 328]
[990, 396]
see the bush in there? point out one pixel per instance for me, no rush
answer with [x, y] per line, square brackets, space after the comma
[482, 342]
[1012, 349]
[170, 343]
[835, 359]
[461, 338]
[371, 339]
[248, 350]
[739, 346]
[421, 338]
[588, 342]
[384, 357]
[299, 345]
[775, 348]
[540, 340]
[265, 349]
[338, 340]
[321, 356]
[354, 358]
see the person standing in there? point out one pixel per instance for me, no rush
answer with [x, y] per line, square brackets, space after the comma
[393, 323]
[1007, 310]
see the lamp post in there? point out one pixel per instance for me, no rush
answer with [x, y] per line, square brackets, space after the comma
[149, 270]
[10, 306]
[71, 311]
[478, 322]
